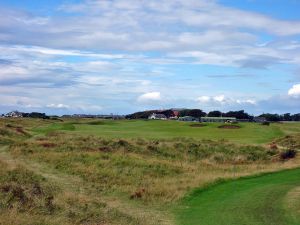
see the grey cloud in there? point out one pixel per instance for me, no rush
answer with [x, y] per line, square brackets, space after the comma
[5, 62]
[259, 61]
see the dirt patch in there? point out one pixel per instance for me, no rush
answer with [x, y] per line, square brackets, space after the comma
[273, 146]
[138, 194]
[229, 127]
[48, 145]
[21, 131]
[198, 125]
[105, 149]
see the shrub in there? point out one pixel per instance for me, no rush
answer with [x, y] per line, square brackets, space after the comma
[288, 154]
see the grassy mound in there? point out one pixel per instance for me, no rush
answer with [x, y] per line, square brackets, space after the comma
[290, 141]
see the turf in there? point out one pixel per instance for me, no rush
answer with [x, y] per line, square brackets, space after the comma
[263, 200]
[249, 133]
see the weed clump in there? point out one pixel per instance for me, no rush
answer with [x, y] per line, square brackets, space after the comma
[138, 194]
[23, 191]
[229, 126]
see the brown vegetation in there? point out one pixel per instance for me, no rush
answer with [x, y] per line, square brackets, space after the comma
[138, 194]
[229, 127]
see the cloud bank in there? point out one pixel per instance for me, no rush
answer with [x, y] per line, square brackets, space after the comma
[109, 56]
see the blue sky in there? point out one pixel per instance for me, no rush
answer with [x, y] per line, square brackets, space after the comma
[120, 56]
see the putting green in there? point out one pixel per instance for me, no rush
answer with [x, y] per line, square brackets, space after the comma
[270, 199]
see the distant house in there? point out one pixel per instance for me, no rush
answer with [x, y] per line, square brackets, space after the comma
[157, 116]
[259, 119]
[175, 115]
[188, 119]
[218, 119]
[14, 114]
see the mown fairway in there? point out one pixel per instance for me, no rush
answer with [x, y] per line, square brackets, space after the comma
[264, 200]
[250, 133]
[87, 171]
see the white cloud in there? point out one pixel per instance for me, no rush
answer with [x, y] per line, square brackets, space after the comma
[222, 100]
[294, 91]
[150, 96]
[58, 106]
[247, 101]
[203, 99]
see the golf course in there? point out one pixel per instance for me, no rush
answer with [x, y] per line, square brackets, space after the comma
[91, 171]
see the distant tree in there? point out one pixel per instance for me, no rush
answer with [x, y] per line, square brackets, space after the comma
[141, 115]
[197, 113]
[238, 114]
[168, 113]
[271, 117]
[214, 114]
[36, 115]
[287, 117]
[192, 112]
[295, 117]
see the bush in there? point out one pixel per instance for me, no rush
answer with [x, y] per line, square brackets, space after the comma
[288, 154]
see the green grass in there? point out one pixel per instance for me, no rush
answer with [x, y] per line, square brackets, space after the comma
[248, 133]
[261, 200]
[54, 127]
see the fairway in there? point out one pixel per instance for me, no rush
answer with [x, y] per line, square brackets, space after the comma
[249, 133]
[272, 199]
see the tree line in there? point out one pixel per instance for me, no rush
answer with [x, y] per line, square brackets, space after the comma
[198, 113]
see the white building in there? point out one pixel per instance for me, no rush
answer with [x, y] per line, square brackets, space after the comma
[156, 116]
[14, 114]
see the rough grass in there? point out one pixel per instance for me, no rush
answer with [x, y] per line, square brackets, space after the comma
[29, 198]
[94, 167]
[165, 168]
[290, 141]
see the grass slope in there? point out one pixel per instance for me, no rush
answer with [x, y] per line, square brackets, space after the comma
[264, 200]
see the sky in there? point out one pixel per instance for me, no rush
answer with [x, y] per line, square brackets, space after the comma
[121, 56]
